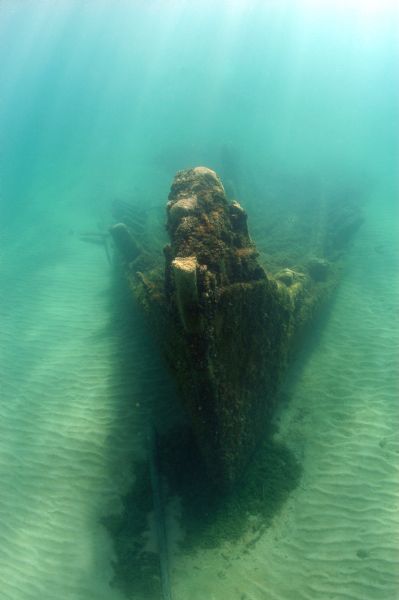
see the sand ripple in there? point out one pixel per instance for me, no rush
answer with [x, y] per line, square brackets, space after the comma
[76, 385]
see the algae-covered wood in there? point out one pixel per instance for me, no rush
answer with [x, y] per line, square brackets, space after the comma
[226, 325]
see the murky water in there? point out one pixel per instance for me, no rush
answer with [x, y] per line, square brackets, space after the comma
[106, 100]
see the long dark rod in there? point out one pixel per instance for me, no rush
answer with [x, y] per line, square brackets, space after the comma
[159, 517]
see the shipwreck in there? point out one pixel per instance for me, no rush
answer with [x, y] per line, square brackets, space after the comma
[226, 322]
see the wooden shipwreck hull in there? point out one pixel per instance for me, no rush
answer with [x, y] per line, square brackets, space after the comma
[225, 325]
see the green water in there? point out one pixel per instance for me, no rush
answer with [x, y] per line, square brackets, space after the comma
[104, 100]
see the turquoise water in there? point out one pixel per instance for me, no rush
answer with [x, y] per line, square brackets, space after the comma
[104, 100]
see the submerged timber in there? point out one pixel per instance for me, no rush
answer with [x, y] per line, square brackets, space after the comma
[226, 324]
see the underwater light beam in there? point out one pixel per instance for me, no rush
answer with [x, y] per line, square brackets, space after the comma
[365, 9]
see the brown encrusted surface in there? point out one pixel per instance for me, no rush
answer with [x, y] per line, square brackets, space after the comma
[225, 326]
[228, 359]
